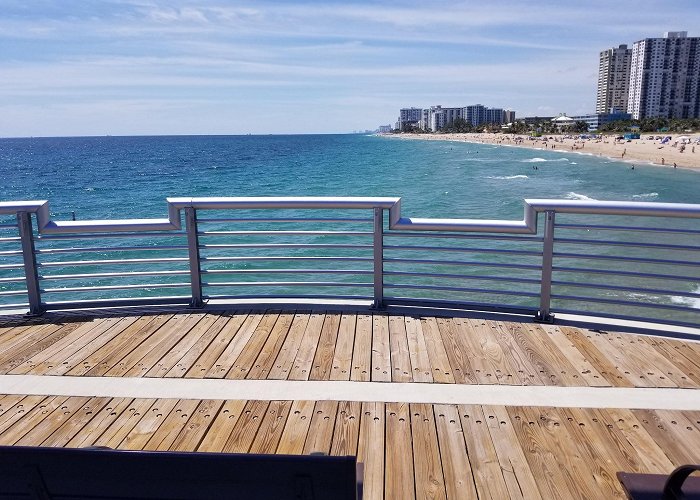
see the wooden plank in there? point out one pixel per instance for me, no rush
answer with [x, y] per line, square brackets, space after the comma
[145, 428]
[676, 356]
[342, 356]
[8, 402]
[370, 449]
[271, 428]
[228, 356]
[399, 475]
[78, 337]
[296, 428]
[468, 365]
[190, 357]
[599, 360]
[459, 481]
[104, 419]
[74, 424]
[611, 437]
[51, 422]
[251, 350]
[532, 351]
[125, 422]
[381, 349]
[157, 346]
[347, 429]
[602, 459]
[246, 427]
[211, 353]
[517, 474]
[486, 469]
[362, 351]
[323, 359]
[655, 367]
[651, 455]
[24, 347]
[418, 350]
[21, 409]
[176, 421]
[304, 359]
[173, 356]
[686, 348]
[484, 338]
[400, 358]
[566, 373]
[684, 428]
[439, 362]
[574, 463]
[320, 435]
[551, 480]
[581, 364]
[269, 352]
[202, 419]
[429, 480]
[72, 356]
[215, 438]
[285, 359]
[522, 366]
[102, 360]
[29, 419]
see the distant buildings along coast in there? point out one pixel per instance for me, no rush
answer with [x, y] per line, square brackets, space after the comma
[655, 78]
[437, 118]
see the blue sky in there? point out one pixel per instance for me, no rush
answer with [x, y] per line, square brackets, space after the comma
[71, 67]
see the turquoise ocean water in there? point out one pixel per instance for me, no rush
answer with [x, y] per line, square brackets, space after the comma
[127, 177]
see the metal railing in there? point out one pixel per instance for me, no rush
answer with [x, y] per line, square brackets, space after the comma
[526, 266]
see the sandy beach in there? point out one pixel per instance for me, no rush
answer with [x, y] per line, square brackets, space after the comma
[643, 151]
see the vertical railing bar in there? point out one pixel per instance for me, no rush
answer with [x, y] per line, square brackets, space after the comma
[378, 247]
[544, 314]
[193, 250]
[24, 223]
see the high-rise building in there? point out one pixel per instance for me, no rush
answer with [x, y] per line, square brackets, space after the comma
[613, 79]
[665, 77]
[409, 116]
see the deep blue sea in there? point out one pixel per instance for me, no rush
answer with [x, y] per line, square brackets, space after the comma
[128, 177]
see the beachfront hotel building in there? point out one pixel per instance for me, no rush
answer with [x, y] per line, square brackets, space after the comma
[665, 77]
[613, 79]
[409, 116]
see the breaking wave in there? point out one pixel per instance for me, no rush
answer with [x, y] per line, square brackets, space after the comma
[645, 195]
[693, 302]
[507, 177]
[575, 196]
[540, 160]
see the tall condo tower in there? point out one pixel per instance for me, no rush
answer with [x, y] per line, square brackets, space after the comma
[665, 77]
[613, 79]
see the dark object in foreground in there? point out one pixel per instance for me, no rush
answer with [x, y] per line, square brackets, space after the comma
[46, 473]
[675, 486]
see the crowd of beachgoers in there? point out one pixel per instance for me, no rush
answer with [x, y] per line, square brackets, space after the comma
[681, 151]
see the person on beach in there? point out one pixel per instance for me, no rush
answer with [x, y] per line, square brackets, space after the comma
[663, 161]
[674, 165]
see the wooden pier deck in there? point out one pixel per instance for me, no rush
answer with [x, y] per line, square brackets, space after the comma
[455, 446]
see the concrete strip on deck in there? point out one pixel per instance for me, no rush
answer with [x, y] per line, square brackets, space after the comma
[551, 396]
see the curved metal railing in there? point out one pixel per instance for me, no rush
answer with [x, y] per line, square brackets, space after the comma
[644, 266]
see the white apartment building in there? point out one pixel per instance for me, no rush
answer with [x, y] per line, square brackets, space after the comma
[665, 77]
[613, 79]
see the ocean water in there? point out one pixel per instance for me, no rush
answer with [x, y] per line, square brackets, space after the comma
[128, 177]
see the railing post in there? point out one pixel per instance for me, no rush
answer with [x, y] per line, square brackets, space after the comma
[193, 249]
[378, 258]
[544, 315]
[24, 223]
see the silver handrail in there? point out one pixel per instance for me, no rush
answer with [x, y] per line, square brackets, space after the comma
[398, 225]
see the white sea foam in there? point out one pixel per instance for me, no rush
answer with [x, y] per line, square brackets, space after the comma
[540, 160]
[693, 302]
[575, 196]
[645, 196]
[507, 177]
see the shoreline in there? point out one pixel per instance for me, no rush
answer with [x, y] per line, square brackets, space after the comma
[642, 151]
